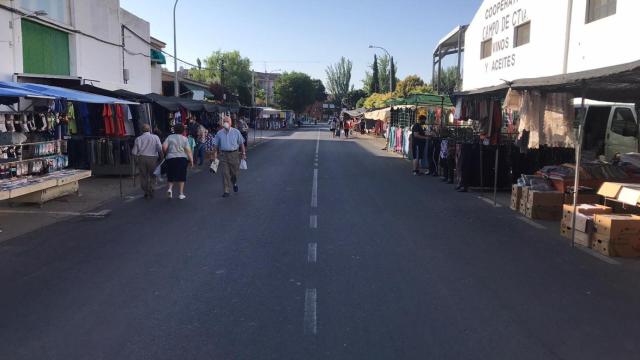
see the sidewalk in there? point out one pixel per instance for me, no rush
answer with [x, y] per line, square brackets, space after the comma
[94, 192]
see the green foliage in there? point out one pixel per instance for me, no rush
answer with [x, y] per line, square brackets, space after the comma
[412, 84]
[320, 91]
[394, 80]
[374, 82]
[295, 91]
[339, 79]
[353, 97]
[449, 82]
[229, 69]
[360, 103]
[376, 101]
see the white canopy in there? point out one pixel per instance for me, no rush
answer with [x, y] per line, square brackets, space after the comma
[382, 114]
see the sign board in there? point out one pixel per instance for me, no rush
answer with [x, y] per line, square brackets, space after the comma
[198, 95]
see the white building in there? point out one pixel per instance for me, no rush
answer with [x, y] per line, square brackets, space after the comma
[73, 42]
[517, 39]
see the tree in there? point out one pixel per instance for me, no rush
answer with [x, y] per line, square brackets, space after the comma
[377, 101]
[353, 97]
[374, 83]
[394, 80]
[320, 91]
[383, 66]
[295, 91]
[411, 84]
[229, 69]
[450, 81]
[339, 79]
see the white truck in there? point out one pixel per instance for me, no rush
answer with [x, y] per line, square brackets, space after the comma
[610, 128]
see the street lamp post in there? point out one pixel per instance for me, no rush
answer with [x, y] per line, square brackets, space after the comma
[176, 84]
[390, 65]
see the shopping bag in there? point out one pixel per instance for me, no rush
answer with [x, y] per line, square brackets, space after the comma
[243, 164]
[214, 166]
[158, 171]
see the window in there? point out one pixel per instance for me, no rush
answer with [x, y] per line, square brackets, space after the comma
[599, 9]
[45, 50]
[522, 34]
[57, 10]
[624, 123]
[485, 49]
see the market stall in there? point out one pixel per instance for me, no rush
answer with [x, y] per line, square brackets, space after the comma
[36, 124]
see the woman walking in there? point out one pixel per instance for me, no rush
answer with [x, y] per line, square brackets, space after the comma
[178, 155]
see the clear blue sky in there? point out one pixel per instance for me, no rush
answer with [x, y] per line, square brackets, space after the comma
[308, 35]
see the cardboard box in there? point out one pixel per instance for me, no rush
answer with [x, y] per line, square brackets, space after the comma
[584, 223]
[582, 238]
[624, 246]
[587, 209]
[611, 189]
[545, 198]
[614, 225]
[629, 195]
[524, 200]
[544, 212]
[583, 199]
[516, 197]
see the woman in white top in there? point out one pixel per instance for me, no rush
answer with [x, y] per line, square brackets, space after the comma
[178, 155]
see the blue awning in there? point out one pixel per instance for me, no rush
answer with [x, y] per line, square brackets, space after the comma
[62, 93]
[6, 92]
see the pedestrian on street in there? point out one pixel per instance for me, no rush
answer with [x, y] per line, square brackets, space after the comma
[347, 127]
[147, 150]
[199, 154]
[418, 141]
[332, 126]
[244, 129]
[178, 155]
[339, 127]
[229, 144]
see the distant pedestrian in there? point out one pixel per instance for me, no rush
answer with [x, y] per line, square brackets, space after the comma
[199, 153]
[229, 144]
[147, 150]
[244, 129]
[332, 126]
[419, 141]
[178, 156]
[347, 128]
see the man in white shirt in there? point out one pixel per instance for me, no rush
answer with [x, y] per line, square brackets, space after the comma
[147, 150]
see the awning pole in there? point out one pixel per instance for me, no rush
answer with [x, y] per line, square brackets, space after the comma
[576, 181]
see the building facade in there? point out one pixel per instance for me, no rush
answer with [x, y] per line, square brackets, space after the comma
[517, 39]
[75, 42]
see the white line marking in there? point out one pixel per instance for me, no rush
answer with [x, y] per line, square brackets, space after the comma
[489, 201]
[597, 255]
[132, 198]
[310, 312]
[313, 221]
[317, 144]
[101, 213]
[314, 189]
[312, 253]
[531, 222]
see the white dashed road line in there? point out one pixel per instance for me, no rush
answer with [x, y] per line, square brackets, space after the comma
[313, 221]
[489, 201]
[314, 189]
[312, 253]
[310, 312]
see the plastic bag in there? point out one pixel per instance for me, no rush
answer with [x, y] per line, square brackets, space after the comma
[158, 171]
[214, 166]
[243, 164]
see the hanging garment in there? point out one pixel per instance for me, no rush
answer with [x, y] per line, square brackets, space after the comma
[119, 121]
[107, 117]
[128, 121]
[398, 135]
[71, 119]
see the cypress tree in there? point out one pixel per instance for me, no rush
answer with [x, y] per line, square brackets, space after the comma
[374, 86]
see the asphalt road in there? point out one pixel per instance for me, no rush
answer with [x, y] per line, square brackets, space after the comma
[375, 264]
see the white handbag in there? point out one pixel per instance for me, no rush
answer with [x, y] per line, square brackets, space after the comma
[243, 164]
[214, 166]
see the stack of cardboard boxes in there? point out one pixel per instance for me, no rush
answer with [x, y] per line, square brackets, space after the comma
[541, 205]
[617, 235]
[585, 227]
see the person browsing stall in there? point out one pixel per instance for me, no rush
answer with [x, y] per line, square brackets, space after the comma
[229, 144]
[419, 137]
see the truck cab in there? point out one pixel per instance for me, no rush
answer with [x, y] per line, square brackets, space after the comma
[610, 128]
